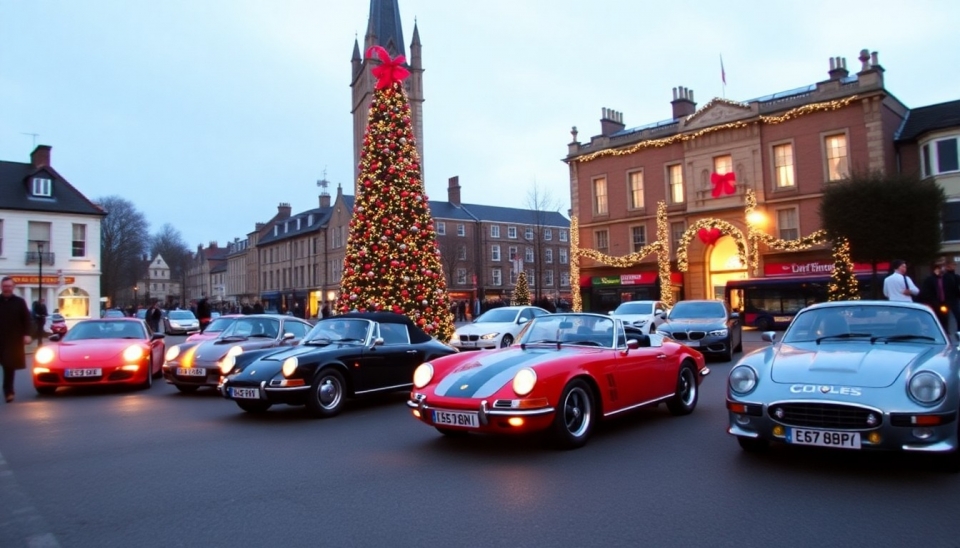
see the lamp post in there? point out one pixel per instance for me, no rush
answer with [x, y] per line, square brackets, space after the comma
[136, 299]
[40, 288]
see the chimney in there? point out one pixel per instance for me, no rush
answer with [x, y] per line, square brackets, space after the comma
[259, 226]
[213, 245]
[683, 104]
[838, 68]
[611, 122]
[871, 73]
[40, 157]
[453, 190]
[324, 200]
[283, 210]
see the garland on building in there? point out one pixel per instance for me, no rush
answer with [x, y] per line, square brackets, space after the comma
[758, 236]
[521, 293]
[725, 228]
[843, 284]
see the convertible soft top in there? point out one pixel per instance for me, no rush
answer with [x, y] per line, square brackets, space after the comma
[417, 335]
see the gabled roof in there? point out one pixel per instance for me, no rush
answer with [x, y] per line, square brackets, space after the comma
[220, 266]
[929, 118]
[321, 217]
[385, 24]
[15, 191]
[498, 214]
[214, 253]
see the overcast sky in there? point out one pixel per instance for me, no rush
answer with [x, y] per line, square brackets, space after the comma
[208, 113]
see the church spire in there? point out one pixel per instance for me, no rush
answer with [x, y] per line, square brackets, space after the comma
[385, 27]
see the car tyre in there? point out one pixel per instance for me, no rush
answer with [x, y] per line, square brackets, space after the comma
[148, 383]
[255, 407]
[753, 445]
[187, 388]
[574, 418]
[452, 432]
[685, 398]
[506, 341]
[327, 393]
[739, 347]
[763, 324]
[727, 354]
[45, 390]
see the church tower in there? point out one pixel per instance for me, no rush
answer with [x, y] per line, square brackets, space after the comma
[384, 30]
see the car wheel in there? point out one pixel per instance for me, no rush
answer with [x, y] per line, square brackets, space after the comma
[763, 324]
[451, 432]
[753, 445]
[684, 400]
[45, 390]
[739, 347]
[187, 388]
[254, 406]
[326, 394]
[573, 421]
[506, 341]
[145, 385]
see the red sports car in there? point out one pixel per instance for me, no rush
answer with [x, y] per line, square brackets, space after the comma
[104, 351]
[564, 373]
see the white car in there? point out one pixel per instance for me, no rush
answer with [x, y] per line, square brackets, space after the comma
[496, 328]
[644, 315]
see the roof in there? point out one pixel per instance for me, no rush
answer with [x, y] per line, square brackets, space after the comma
[321, 217]
[498, 214]
[929, 118]
[385, 24]
[14, 191]
[221, 266]
[417, 335]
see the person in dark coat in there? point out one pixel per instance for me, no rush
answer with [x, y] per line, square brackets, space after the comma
[40, 316]
[203, 313]
[951, 289]
[154, 317]
[258, 308]
[933, 293]
[15, 326]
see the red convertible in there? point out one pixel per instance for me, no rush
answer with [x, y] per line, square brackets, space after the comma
[563, 374]
[96, 352]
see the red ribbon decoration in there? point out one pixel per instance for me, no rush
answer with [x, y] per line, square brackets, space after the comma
[389, 70]
[709, 237]
[723, 184]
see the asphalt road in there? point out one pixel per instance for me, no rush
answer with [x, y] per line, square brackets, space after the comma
[157, 468]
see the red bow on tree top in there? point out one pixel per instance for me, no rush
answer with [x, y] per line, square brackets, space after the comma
[723, 184]
[389, 70]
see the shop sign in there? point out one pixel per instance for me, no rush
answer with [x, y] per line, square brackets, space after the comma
[815, 268]
[605, 280]
[47, 280]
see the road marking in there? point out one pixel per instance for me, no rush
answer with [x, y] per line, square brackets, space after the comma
[20, 522]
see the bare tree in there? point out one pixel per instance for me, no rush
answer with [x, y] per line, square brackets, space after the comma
[169, 243]
[124, 238]
[450, 254]
[541, 205]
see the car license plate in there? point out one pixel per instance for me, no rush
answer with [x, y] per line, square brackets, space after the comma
[245, 393]
[782, 319]
[444, 418]
[83, 373]
[191, 372]
[824, 438]
[692, 343]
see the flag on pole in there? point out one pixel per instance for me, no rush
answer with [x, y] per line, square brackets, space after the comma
[723, 73]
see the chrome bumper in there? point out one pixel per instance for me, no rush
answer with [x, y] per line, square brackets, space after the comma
[419, 402]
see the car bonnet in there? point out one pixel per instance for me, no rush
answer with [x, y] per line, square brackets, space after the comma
[847, 363]
[490, 371]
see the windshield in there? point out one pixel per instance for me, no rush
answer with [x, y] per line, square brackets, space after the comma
[572, 329]
[634, 308]
[267, 328]
[114, 314]
[218, 325]
[344, 330]
[105, 330]
[877, 324]
[690, 310]
[181, 315]
[498, 315]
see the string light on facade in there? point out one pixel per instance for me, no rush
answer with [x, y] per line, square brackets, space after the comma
[725, 228]
[757, 236]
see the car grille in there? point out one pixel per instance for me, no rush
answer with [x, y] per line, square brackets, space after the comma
[825, 415]
[465, 338]
[689, 335]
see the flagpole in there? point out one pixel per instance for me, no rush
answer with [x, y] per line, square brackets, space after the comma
[723, 78]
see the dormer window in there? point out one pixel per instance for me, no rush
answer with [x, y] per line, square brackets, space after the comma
[276, 230]
[42, 187]
[298, 222]
[310, 220]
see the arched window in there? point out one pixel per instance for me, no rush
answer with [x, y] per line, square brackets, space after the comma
[74, 302]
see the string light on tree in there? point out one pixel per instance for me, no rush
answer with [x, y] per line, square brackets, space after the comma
[843, 284]
[521, 292]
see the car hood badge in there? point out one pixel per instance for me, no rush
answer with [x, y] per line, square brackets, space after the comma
[824, 389]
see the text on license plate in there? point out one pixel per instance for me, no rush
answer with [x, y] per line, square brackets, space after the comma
[191, 372]
[245, 393]
[451, 418]
[83, 372]
[824, 438]
[692, 343]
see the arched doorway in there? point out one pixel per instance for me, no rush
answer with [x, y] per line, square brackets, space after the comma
[725, 265]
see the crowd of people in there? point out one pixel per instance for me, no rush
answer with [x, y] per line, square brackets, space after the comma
[940, 290]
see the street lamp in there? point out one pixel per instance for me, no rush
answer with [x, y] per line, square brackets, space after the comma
[40, 288]
[136, 299]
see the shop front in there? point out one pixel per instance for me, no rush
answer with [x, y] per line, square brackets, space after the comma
[75, 297]
[602, 294]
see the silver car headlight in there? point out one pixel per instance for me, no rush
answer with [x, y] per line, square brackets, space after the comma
[743, 379]
[423, 375]
[290, 366]
[524, 381]
[489, 336]
[718, 333]
[172, 353]
[926, 387]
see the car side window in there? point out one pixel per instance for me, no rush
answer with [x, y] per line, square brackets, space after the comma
[394, 333]
[298, 329]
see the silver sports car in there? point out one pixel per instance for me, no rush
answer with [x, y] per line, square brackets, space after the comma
[852, 375]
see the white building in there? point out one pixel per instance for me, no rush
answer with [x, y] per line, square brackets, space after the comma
[156, 284]
[49, 237]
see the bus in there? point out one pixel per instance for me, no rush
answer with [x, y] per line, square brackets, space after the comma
[771, 303]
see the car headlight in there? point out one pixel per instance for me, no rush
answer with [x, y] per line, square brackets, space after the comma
[227, 363]
[423, 375]
[743, 379]
[718, 333]
[132, 353]
[289, 366]
[927, 387]
[172, 353]
[489, 336]
[524, 381]
[174, 324]
[640, 322]
[44, 355]
[235, 350]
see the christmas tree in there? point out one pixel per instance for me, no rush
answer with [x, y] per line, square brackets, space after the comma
[843, 284]
[392, 260]
[521, 293]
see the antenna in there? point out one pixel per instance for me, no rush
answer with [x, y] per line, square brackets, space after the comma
[34, 135]
[323, 183]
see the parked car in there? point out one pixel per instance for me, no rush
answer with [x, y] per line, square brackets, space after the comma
[495, 328]
[103, 351]
[141, 313]
[860, 375]
[645, 315]
[114, 313]
[180, 322]
[706, 325]
[566, 372]
[56, 325]
[214, 328]
[342, 357]
[193, 364]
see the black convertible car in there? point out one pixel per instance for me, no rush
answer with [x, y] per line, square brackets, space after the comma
[341, 357]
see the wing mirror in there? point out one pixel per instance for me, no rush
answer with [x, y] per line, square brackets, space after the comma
[53, 338]
[378, 341]
[769, 336]
[287, 336]
[633, 344]
[610, 313]
[522, 321]
[734, 315]
[154, 337]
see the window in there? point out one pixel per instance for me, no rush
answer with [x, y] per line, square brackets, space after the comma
[547, 234]
[461, 276]
[563, 255]
[38, 233]
[600, 197]
[602, 240]
[497, 276]
[548, 278]
[676, 234]
[512, 250]
[563, 235]
[836, 153]
[638, 235]
[941, 156]
[441, 228]
[394, 333]
[548, 256]
[531, 278]
[723, 164]
[512, 232]
[528, 233]
[461, 230]
[74, 302]
[42, 186]
[1, 237]
[636, 189]
[951, 221]
[79, 240]
[494, 231]
[783, 165]
[513, 276]
[495, 253]
[675, 180]
[564, 279]
[462, 253]
[528, 254]
[787, 225]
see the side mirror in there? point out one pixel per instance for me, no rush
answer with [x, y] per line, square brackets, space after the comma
[378, 341]
[154, 337]
[53, 338]
[522, 321]
[662, 315]
[734, 315]
[632, 344]
[287, 336]
[610, 313]
[769, 336]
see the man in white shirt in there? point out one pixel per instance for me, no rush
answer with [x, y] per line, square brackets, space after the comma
[898, 286]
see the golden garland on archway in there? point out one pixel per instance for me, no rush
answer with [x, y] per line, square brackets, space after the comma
[726, 229]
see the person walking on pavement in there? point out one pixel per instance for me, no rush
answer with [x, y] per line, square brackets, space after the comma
[951, 286]
[898, 286]
[40, 316]
[203, 313]
[154, 316]
[15, 329]
[934, 295]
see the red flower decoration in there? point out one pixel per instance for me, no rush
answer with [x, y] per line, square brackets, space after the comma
[389, 70]
[709, 237]
[723, 184]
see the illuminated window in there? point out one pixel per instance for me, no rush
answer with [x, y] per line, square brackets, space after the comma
[675, 178]
[74, 302]
[788, 226]
[600, 196]
[836, 153]
[636, 189]
[723, 164]
[783, 165]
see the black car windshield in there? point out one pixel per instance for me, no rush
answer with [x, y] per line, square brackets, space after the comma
[219, 325]
[693, 310]
[339, 330]
[572, 329]
[181, 315]
[884, 324]
[266, 328]
[634, 308]
[498, 315]
[121, 329]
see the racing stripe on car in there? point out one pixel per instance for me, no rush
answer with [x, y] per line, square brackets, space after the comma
[489, 373]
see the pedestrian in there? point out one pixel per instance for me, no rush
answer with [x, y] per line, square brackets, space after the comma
[39, 316]
[258, 307]
[297, 313]
[951, 286]
[203, 312]
[898, 286]
[934, 295]
[14, 334]
[154, 316]
[325, 311]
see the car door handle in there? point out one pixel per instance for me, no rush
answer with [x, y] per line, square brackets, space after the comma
[411, 351]
[661, 356]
